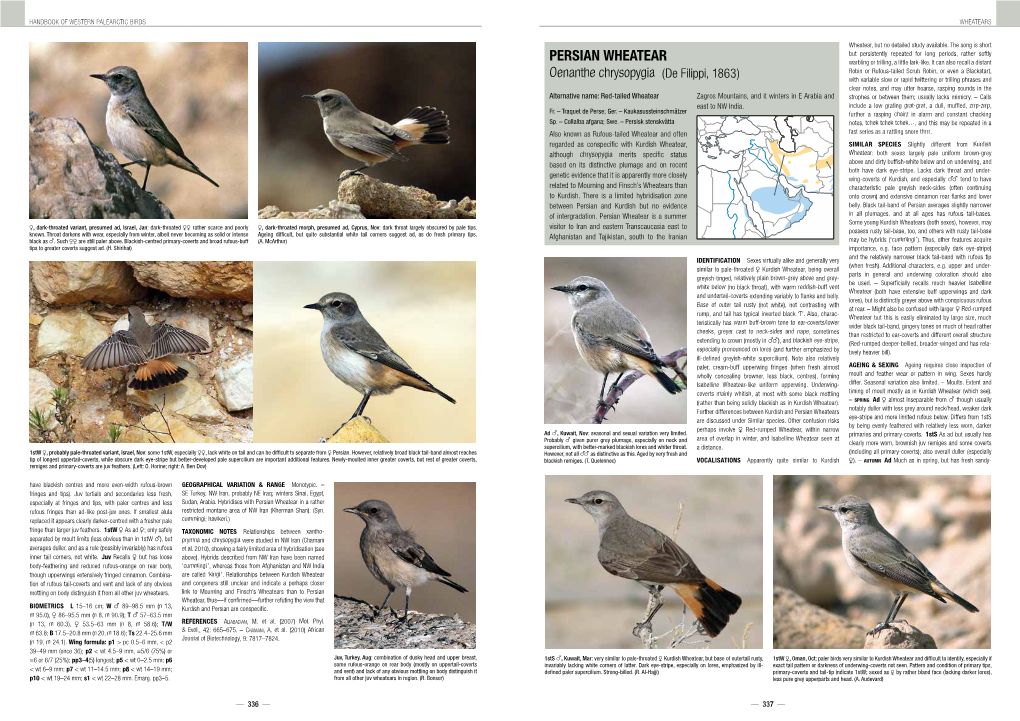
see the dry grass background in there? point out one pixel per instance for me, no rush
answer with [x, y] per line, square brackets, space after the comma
[653, 289]
[586, 607]
[199, 89]
[424, 310]
[442, 518]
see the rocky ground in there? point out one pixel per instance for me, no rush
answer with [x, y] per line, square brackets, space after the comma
[74, 306]
[362, 196]
[944, 520]
[355, 627]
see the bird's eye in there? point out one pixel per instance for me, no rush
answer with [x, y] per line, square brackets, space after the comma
[582, 287]
[118, 76]
[373, 510]
[843, 509]
[598, 501]
[335, 304]
[327, 98]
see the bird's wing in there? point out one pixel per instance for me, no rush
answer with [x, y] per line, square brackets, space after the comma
[646, 554]
[886, 556]
[375, 143]
[120, 350]
[170, 340]
[408, 549]
[391, 130]
[148, 120]
[364, 340]
[628, 336]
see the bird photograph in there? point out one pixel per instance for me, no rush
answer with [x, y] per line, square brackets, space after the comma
[615, 340]
[404, 564]
[138, 130]
[351, 130]
[367, 351]
[141, 351]
[653, 562]
[883, 562]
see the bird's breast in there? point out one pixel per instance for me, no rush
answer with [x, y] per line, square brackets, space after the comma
[129, 139]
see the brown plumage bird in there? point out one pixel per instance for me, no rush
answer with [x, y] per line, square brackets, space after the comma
[145, 348]
[634, 550]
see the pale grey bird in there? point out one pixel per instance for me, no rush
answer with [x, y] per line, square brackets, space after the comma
[367, 139]
[144, 348]
[393, 556]
[631, 549]
[358, 355]
[608, 336]
[135, 128]
[875, 556]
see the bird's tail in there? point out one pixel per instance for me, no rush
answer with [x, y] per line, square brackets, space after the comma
[657, 373]
[967, 605]
[185, 164]
[452, 584]
[711, 603]
[428, 125]
[156, 374]
[416, 381]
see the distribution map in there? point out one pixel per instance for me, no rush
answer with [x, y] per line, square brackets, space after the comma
[765, 176]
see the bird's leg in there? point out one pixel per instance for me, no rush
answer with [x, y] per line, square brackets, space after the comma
[654, 596]
[613, 387]
[133, 162]
[602, 393]
[357, 171]
[383, 604]
[889, 616]
[360, 409]
[407, 603]
[896, 610]
[144, 182]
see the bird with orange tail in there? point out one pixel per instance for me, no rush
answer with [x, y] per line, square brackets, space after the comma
[634, 550]
[145, 348]
[372, 141]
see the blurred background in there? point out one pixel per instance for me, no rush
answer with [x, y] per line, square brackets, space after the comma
[298, 167]
[721, 529]
[653, 289]
[946, 521]
[442, 518]
[424, 310]
[199, 89]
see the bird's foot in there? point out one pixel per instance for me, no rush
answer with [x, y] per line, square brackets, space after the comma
[348, 174]
[878, 629]
[323, 439]
[642, 629]
[366, 419]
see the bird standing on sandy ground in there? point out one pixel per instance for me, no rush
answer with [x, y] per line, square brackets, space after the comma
[609, 337]
[143, 347]
[631, 549]
[135, 128]
[877, 557]
[372, 141]
[392, 555]
[356, 353]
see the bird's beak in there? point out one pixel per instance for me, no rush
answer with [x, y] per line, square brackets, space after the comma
[303, 96]
[561, 288]
[572, 500]
[355, 511]
[98, 77]
[827, 508]
[315, 306]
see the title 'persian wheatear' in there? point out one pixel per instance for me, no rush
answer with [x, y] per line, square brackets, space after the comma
[365, 138]
[608, 336]
[875, 556]
[135, 128]
[634, 550]
[393, 556]
[359, 356]
[143, 348]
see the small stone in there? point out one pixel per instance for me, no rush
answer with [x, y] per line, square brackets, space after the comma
[235, 384]
[899, 635]
[358, 431]
[34, 319]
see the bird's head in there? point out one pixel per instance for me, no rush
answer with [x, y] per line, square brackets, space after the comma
[330, 100]
[373, 513]
[583, 290]
[851, 511]
[121, 80]
[337, 308]
[602, 505]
